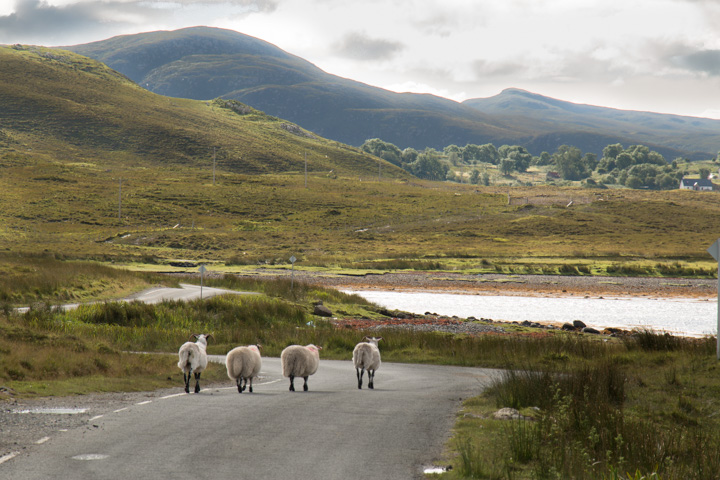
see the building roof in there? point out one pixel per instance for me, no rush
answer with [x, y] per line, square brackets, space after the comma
[690, 182]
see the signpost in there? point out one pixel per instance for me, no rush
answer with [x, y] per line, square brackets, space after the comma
[714, 250]
[202, 271]
[292, 271]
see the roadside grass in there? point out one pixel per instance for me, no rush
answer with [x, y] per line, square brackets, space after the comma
[644, 408]
[42, 278]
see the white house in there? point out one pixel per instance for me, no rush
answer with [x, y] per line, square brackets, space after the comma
[695, 184]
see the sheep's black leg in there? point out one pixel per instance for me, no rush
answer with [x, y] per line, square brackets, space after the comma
[243, 382]
[371, 378]
[360, 373]
[292, 383]
[239, 384]
[186, 377]
[250, 384]
[197, 383]
[305, 387]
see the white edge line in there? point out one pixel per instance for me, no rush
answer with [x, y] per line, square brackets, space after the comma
[42, 440]
[144, 403]
[9, 456]
[120, 410]
[173, 395]
[96, 417]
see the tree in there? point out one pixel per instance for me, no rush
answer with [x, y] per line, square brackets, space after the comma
[488, 154]
[612, 151]
[704, 173]
[569, 162]
[624, 161]
[385, 150]
[475, 177]
[506, 166]
[471, 152]
[428, 166]
[409, 155]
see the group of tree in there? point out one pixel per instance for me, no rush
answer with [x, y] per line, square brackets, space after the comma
[635, 167]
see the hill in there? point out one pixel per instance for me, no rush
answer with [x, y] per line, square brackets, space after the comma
[205, 63]
[590, 127]
[65, 107]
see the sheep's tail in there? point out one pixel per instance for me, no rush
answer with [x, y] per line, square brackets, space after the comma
[364, 358]
[185, 359]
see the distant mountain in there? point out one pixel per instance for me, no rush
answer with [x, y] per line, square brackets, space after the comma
[62, 106]
[590, 127]
[205, 63]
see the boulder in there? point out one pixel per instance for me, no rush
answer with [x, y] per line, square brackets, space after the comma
[507, 414]
[322, 311]
[569, 327]
[590, 330]
[578, 324]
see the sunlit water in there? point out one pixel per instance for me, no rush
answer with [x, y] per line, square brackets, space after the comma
[684, 316]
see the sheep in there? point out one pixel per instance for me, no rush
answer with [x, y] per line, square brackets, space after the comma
[299, 361]
[243, 364]
[193, 360]
[366, 356]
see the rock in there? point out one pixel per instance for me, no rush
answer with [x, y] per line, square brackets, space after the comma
[507, 414]
[322, 311]
[569, 327]
[579, 324]
[590, 330]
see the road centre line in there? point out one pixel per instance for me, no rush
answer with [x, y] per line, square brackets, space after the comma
[144, 403]
[42, 440]
[95, 417]
[9, 456]
[120, 410]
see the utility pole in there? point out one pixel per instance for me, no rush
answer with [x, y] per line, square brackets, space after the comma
[213, 165]
[120, 199]
[306, 169]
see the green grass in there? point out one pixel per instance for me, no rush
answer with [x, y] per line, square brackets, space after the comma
[641, 408]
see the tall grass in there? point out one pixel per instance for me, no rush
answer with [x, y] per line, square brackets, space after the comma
[583, 426]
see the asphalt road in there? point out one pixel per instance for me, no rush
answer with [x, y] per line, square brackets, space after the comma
[333, 431]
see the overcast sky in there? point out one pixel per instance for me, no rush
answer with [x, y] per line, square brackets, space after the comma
[651, 55]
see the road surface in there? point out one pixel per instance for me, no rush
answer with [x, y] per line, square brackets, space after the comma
[333, 431]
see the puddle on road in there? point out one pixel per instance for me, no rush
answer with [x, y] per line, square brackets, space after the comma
[53, 411]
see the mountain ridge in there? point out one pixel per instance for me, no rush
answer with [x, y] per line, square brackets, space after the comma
[205, 62]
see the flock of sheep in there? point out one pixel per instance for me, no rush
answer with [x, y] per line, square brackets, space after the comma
[243, 363]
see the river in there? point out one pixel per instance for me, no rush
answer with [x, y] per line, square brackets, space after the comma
[680, 316]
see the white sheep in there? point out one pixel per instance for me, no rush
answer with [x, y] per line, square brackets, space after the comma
[366, 356]
[193, 360]
[299, 361]
[243, 364]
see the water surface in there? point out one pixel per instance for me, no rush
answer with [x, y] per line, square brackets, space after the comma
[684, 316]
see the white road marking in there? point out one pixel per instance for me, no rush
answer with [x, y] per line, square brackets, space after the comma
[9, 456]
[42, 440]
[96, 417]
[173, 395]
[120, 410]
[144, 403]
[90, 456]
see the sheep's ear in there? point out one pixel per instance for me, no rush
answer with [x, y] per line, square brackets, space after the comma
[379, 338]
[259, 346]
[209, 336]
[194, 335]
[366, 338]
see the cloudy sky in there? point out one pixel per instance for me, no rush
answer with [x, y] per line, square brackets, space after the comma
[651, 55]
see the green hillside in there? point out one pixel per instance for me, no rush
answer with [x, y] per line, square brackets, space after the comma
[93, 166]
[61, 106]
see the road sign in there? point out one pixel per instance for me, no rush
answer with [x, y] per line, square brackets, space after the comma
[293, 259]
[202, 271]
[292, 271]
[714, 250]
